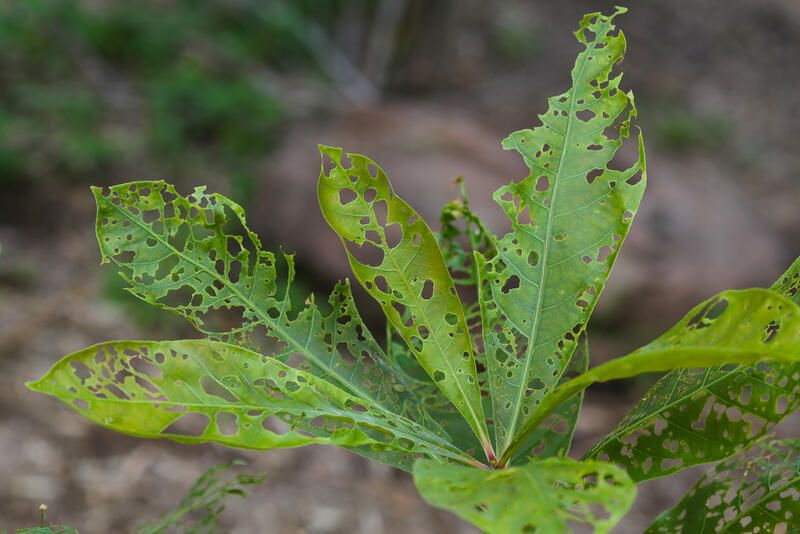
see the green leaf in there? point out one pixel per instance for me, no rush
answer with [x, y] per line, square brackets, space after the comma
[463, 233]
[754, 492]
[207, 497]
[569, 218]
[553, 437]
[196, 256]
[196, 391]
[545, 496]
[734, 327]
[788, 284]
[740, 404]
[395, 256]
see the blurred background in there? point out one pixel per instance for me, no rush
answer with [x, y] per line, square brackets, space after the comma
[236, 94]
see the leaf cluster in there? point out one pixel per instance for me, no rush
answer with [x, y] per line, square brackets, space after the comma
[477, 396]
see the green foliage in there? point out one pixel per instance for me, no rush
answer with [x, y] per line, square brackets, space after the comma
[478, 398]
[206, 498]
[198, 512]
[697, 416]
[400, 265]
[94, 90]
[677, 130]
[757, 491]
[44, 527]
[548, 495]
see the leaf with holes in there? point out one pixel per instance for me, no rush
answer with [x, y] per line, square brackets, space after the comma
[545, 496]
[690, 416]
[462, 234]
[482, 342]
[396, 258]
[553, 436]
[196, 391]
[196, 256]
[569, 218]
[735, 327]
[758, 491]
[207, 497]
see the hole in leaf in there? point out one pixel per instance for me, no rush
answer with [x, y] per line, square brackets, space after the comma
[427, 290]
[543, 184]
[213, 388]
[635, 179]
[585, 115]
[346, 196]
[511, 283]
[191, 424]
[366, 254]
[717, 310]
[604, 252]
[593, 175]
[227, 424]
[524, 216]
[381, 209]
[394, 235]
[381, 284]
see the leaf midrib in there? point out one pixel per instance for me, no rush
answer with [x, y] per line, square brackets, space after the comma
[546, 252]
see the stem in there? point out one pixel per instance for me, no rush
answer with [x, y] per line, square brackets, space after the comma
[614, 369]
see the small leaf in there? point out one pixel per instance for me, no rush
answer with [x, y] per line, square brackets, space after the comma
[207, 496]
[758, 491]
[196, 391]
[545, 496]
[463, 233]
[394, 255]
[735, 327]
[569, 218]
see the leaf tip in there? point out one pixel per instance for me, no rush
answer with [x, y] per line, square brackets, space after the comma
[35, 385]
[333, 152]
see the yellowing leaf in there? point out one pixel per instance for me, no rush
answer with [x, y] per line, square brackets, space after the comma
[196, 391]
[396, 258]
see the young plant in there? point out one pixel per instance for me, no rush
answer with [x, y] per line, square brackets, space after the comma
[479, 401]
[197, 513]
